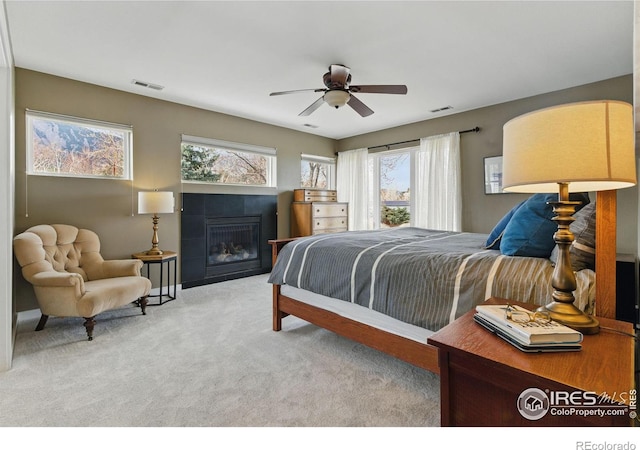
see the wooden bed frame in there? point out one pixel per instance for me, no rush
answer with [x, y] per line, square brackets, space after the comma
[425, 355]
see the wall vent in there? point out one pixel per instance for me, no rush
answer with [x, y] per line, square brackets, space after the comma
[157, 87]
[444, 108]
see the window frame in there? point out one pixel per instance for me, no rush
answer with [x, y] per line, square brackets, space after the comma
[375, 205]
[268, 152]
[330, 162]
[127, 156]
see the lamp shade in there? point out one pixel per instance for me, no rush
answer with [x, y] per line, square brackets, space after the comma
[589, 145]
[336, 98]
[155, 202]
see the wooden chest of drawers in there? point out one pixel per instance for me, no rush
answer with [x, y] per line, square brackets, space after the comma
[317, 212]
[314, 195]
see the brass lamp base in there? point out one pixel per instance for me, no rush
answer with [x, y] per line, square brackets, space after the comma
[562, 308]
[154, 240]
[569, 315]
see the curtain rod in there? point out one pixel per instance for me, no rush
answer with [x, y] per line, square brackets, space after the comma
[471, 130]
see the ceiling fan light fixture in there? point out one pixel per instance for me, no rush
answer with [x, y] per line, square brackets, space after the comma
[336, 98]
[340, 92]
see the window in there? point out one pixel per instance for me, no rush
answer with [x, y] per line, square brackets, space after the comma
[221, 162]
[391, 178]
[73, 147]
[317, 172]
[414, 186]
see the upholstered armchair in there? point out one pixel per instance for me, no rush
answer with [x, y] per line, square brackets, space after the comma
[71, 279]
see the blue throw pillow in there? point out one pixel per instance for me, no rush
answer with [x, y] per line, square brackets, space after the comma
[530, 230]
[493, 241]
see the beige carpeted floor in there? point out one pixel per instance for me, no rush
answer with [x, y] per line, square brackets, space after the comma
[208, 359]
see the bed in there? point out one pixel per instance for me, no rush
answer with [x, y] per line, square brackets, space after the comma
[327, 280]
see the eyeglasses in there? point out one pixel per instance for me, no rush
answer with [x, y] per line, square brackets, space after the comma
[521, 315]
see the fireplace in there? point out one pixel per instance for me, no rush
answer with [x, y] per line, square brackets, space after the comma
[233, 243]
[224, 236]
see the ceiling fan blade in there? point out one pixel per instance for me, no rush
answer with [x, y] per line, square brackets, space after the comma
[315, 105]
[296, 91]
[339, 74]
[380, 89]
[359, 107]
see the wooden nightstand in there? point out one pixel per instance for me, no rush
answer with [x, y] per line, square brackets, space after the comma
[483, 377]
[164, 261]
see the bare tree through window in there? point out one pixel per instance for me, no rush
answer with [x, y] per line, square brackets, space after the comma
[314, 175]
[316, 172]
[69, 148]
[213, 164]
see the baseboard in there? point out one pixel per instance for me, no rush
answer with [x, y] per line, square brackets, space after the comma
[27, 317]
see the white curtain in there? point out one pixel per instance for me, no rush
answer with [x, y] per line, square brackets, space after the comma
[437, 201]
[352, 183]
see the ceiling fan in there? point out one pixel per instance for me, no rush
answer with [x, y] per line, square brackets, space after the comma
[339, 91]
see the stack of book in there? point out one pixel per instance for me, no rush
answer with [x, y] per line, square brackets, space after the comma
[532, 336]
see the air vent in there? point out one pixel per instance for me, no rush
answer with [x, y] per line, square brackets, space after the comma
[444, 108]
[157, 87]
[308, 125]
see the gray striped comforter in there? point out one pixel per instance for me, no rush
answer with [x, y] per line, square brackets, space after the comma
[423, 277]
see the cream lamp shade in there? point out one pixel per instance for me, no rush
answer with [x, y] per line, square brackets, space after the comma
[586, 146]
[589, 145]
[155, 202]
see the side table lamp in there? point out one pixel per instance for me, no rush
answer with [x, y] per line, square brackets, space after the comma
[155, 203]
[586, 146]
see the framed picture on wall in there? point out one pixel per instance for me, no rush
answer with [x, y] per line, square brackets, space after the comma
[493, 175]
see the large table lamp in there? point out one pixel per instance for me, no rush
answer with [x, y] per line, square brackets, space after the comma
[582, 147]
[155, 203]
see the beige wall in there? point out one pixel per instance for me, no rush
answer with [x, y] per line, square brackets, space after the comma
[480, 211]
[106, 206]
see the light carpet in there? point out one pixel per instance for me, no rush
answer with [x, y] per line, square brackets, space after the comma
[208, 359]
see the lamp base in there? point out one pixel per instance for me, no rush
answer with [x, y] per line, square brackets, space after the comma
[155, 251]
[562, 308]
[569, 315]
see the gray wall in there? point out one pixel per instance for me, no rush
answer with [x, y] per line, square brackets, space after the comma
[108, 207]
[480, 211]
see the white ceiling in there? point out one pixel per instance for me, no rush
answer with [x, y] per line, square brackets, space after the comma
[228, 56]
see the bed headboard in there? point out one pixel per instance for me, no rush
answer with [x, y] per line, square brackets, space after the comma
[606, 218]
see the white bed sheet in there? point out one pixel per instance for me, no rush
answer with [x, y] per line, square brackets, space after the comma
[358, 313]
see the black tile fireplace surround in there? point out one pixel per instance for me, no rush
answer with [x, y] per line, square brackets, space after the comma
[224, 236]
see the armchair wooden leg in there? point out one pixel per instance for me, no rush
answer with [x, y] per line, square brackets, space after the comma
[89, 322]
[143, 304]
[43, 321]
